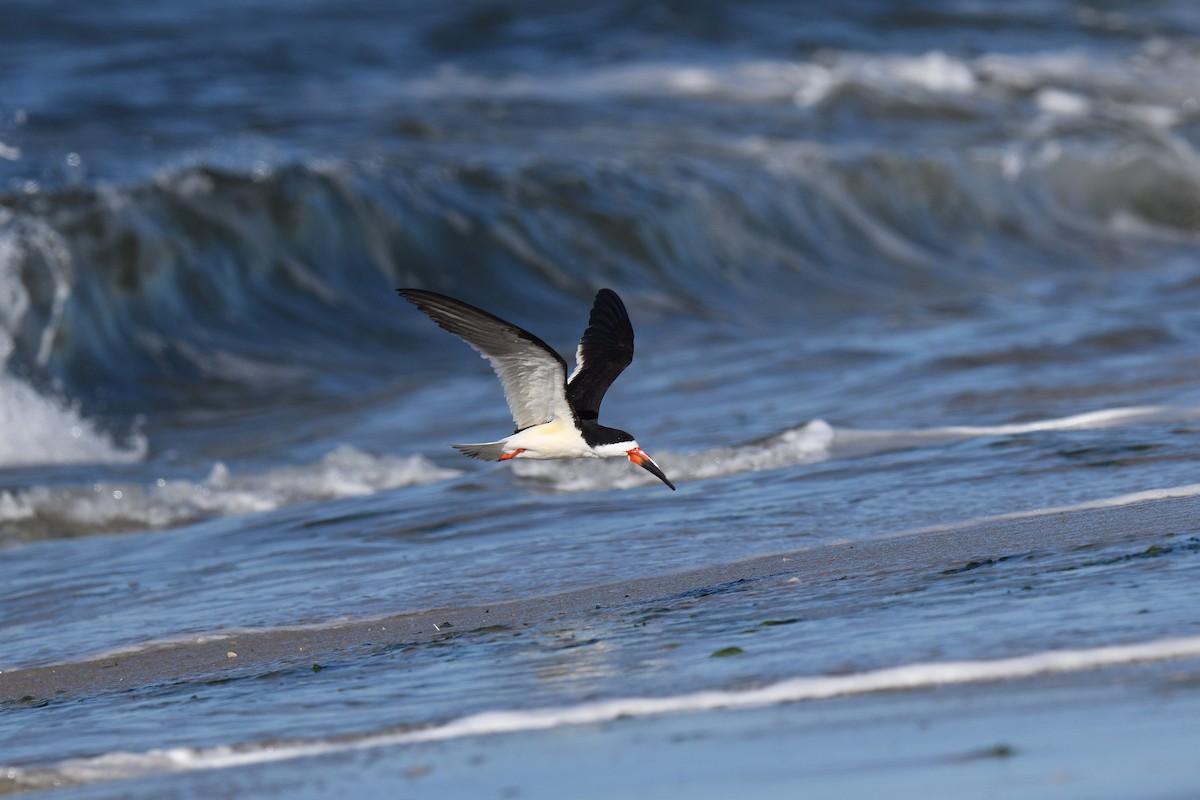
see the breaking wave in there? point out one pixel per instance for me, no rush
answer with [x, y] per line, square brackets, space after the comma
[809, 443]
[38, 429]
[114, 296]
[118, 299]
[43, 511]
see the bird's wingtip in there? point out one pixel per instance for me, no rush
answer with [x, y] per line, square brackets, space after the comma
[412, 295]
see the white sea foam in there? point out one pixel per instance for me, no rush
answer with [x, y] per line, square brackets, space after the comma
[1063, 84]
[1128, 499]
[756, 80]
[36, 428]
[804, 444]
[1067, 104]
[909, 677]
[1087, 420]
[813, 442]
[343, 472]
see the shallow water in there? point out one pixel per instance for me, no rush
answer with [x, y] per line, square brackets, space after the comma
[914, 293]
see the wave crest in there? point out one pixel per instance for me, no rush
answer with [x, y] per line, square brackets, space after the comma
[109, 506]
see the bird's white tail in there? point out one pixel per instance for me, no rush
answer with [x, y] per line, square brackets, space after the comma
[487, 451]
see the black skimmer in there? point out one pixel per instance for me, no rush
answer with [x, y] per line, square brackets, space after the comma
[556, 415]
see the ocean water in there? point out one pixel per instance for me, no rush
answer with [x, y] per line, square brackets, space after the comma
[915, 290]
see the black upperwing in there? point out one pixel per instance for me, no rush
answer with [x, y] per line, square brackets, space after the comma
[604, 352]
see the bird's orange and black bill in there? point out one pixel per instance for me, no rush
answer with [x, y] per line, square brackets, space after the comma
[638, 456]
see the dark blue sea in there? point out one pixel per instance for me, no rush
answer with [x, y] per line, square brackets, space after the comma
[916, 292]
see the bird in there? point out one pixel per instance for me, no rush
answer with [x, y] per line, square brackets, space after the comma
[556, 415]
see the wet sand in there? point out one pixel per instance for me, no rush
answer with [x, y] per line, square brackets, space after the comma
[220, 656]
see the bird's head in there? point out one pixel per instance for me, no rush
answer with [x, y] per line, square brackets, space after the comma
[620, 443]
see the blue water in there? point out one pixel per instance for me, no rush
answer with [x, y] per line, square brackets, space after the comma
[917, 278]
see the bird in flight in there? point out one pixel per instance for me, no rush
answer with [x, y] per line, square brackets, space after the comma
[556, 415]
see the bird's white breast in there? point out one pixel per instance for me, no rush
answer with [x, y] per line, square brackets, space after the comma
[554, 439]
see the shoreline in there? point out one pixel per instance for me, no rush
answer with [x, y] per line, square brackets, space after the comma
[219, 656]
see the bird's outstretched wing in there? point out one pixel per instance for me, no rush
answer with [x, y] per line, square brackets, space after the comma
[532, 374]
[605, 350]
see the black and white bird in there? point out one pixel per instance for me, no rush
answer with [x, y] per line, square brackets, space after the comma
[556, 416]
